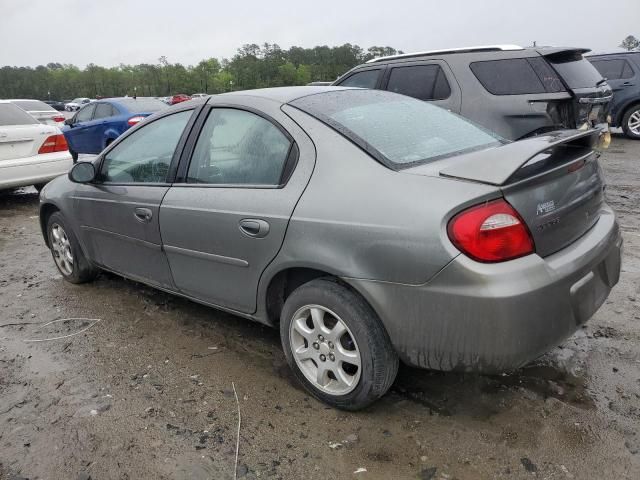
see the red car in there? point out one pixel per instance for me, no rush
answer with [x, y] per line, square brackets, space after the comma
[180, 97]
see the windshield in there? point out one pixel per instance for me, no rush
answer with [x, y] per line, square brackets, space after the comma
[142, 104]
[575, 70]
[33, 105]
[396, 130]
[12, 115]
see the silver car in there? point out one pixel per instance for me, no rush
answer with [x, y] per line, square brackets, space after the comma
[369, 227]
[41, 111]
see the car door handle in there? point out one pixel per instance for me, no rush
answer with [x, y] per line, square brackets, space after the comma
[254, 227]
[143, 215]
[628, 84]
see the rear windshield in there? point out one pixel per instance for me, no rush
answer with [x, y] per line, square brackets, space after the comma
[142, 105]
[575, 70]
[396, 130]
[33, 105]
[12, 115]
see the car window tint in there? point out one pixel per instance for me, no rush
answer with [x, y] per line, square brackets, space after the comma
[103, 110]
[85, 113]
[614, 69]
[575, 70]
[237, 147]
[516, 76]
[12, 115]
[424, 82]
[366, 79]
[145, 155]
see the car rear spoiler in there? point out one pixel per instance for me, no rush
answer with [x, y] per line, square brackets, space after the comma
[508, 159]
[561, 51]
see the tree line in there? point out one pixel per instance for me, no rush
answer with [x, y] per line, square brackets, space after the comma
[253, 66]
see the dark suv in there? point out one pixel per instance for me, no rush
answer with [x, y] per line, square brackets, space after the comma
[622, 71]
[516, 92]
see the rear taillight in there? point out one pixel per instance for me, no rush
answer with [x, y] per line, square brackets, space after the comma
[54, 143]
[491, 232]
[58, 119]
[133, 120]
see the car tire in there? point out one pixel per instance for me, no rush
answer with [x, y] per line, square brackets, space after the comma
[631, 122]
[66, 251]
[39, 186]
[320, 357]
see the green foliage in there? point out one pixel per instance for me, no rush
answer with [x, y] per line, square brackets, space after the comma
[253, 66]
[630, 43]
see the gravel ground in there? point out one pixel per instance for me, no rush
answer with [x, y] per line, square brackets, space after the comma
[147, 392]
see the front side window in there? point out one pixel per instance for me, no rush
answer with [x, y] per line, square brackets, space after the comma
[424, 82]
[517, 76]
[615, 69]
[365, 79]
[396, 130]
[237, 147]
[146, 154]
[85, 113]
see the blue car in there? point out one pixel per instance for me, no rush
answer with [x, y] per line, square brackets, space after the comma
[99, 123]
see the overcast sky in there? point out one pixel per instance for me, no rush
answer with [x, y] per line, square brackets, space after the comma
[110, 32]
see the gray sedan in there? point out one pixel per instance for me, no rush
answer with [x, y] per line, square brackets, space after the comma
[367, 226]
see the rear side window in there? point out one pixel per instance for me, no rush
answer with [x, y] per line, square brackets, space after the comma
[614, 69]
[103, 110]
[85, 113]
[396, 130]
[365, 79]
[237, 147]
[13, 115]
[33, 106]
[517, 76]
[424, 82]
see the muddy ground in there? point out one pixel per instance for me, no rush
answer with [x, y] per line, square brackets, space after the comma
[147, 392]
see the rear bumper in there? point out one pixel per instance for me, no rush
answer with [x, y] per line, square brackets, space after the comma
[496, 317]
[33, 170]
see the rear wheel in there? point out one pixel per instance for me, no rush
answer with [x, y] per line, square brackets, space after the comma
[631, 122]
[66, 251]
[336, 345]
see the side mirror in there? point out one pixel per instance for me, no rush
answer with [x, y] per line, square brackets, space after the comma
[82, 172]
[69, 122]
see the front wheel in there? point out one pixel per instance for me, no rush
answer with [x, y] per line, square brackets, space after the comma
[66, 251]
[336, 345]
[631, 122]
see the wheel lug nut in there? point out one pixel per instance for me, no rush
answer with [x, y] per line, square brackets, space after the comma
[321, 338]
[316, 345]
[332, 357]
[323, 358]
[330, 344]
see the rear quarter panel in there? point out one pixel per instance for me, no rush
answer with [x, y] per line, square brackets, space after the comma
[360, 219]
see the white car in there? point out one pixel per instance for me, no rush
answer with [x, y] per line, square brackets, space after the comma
[76, 104]
[199, 95]
[31, 153]
[40, 111]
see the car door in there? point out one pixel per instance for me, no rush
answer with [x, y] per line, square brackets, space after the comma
[430, 81]
[118, 213]
[98, 126]
[78, 133]
[622, 76]
[225, 218]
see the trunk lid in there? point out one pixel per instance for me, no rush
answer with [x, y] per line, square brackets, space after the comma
[591, 93]
[553, 181]
[20, 141]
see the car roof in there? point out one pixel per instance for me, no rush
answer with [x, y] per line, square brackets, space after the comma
[621, 51]
[285, 94]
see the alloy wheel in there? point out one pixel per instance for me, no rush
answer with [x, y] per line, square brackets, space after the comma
[61, 247]
[634, 123]
[325, 350]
